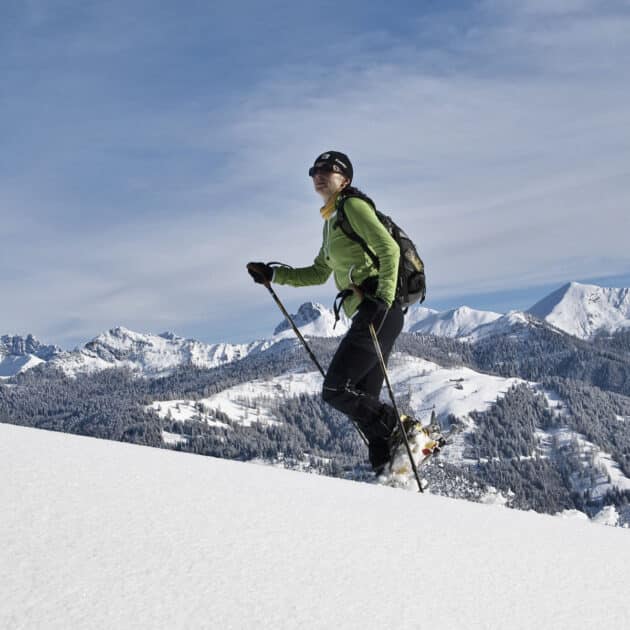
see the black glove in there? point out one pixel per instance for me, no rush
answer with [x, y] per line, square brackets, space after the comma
[371, 311]
[260, 272]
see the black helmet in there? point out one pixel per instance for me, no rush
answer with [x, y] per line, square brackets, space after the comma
[333, 161]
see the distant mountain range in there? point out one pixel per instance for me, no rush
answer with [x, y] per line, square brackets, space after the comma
[583, 311]
[543, 396]
[147, 354]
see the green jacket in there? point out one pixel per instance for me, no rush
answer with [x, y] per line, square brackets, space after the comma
[346, 259]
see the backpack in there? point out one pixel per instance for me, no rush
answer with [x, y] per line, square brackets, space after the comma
[411, 285]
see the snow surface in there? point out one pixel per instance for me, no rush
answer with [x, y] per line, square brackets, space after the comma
[99, 534]
[458, 391]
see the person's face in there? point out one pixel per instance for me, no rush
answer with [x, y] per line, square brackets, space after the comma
[327, 182]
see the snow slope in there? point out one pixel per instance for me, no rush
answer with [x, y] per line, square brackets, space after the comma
[584, 309]
[246, 403]
[109, 535]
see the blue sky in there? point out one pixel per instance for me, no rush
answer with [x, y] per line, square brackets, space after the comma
[150, 152]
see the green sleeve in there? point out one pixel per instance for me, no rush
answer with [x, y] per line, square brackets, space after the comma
[317, 273]
[365, 223]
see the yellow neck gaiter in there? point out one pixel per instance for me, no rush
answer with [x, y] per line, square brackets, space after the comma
[328, 210]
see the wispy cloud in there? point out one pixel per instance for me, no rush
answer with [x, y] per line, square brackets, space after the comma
[496, 134]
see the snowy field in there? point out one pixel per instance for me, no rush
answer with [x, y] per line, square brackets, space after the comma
[98, 534]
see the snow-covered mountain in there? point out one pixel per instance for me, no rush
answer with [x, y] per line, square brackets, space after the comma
[417, 314]
[584, 310]
[150, 355]
[19, 353]
[512, 323]
[577, 309]
[456, 323]
[313, 320]
[251, 546]
[470, 325]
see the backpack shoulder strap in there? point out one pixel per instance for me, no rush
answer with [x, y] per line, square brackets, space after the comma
[343, 223]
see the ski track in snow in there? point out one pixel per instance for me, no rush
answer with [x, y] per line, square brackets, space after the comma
[99, 534]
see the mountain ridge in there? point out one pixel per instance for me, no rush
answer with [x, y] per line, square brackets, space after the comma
[583, 311]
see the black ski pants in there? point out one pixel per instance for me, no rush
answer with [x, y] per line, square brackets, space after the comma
[355, 377]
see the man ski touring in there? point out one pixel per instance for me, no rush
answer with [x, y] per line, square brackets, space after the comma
[368, 296]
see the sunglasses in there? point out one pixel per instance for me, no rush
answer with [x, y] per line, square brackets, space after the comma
[324, 168]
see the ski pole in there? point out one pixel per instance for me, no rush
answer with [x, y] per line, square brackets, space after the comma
[377, 347]
[296, 330]
[299, 335]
